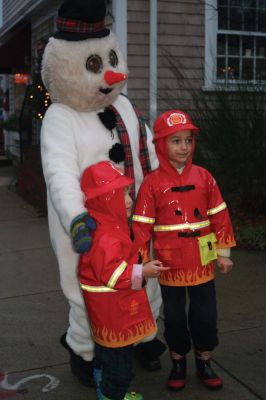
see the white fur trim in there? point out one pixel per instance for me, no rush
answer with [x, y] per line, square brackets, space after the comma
[224, 252]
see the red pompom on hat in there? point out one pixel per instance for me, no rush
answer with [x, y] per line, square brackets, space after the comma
[101, 178]
[172, 121]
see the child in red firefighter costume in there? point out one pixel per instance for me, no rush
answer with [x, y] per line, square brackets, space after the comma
[112, 281]
[181, 207]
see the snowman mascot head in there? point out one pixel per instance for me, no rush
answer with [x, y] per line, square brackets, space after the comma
[83, 66]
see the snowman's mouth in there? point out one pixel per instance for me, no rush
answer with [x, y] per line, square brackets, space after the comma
[106, 90]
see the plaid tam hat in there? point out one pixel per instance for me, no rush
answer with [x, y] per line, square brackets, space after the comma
[81, 19]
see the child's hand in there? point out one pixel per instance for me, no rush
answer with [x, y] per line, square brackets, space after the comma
[152, 269]
[225, 264]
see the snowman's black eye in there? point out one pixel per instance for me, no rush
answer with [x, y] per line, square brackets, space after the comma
[94, 64]
[113, 59]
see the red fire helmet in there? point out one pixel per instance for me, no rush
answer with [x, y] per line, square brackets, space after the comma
[101, 178]
[172, 121]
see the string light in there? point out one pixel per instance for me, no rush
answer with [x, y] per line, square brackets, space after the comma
[39, 96]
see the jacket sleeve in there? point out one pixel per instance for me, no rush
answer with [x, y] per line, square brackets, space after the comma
[144, 213]
[110, 266]
[219, 216]
[61, 164]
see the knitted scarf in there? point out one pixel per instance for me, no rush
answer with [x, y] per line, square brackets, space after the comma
[143, 148]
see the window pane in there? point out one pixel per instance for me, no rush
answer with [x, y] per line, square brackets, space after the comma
[247, 69]
[261, 70]
[249, 19]
[247, 46]
[233, 45]
[222, 18]
[249, 3]
[221, 44]
[221, 69]
[235, 23]
[262, 21]
[236, 3]
[233, 68]
[261, 47]
[262, 3]
[241, 56]
[222, 2]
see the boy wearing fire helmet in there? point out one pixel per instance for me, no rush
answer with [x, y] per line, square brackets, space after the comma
[181, 207]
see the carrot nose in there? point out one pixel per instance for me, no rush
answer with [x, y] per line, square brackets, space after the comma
[112, 77]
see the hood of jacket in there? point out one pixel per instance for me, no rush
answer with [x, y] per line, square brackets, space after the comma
[166, 125]
[103, 186]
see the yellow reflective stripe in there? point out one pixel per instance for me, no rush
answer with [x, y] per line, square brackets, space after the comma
[89, 288]
[146, 220]
[217, 209]
[119, 270]
[192, 226]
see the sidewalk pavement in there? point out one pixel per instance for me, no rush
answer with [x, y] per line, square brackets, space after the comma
[33, 365]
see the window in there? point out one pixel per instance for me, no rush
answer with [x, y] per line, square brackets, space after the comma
[235, 34]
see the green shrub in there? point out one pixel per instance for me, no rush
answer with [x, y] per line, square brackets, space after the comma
[249, 236]
[232, 139]
[232, 143]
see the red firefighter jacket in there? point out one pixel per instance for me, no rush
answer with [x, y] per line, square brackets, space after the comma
[187, 218]
[118, 315]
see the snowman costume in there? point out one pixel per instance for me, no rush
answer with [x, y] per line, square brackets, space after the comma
[84, 71]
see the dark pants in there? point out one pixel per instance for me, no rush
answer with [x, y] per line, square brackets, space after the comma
[200, 324]
[117, 366]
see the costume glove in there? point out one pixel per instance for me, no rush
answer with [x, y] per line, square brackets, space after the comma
[80, 231]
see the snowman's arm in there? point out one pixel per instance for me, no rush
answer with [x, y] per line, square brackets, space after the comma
[60, 161]
[153, 157]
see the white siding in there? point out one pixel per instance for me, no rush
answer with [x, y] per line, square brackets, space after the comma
[180, 52]
[12, 8]
[138, 53]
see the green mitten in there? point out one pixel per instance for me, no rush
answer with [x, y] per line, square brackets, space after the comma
[80, 231]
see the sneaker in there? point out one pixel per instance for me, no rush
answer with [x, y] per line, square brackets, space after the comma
[177, 378]
[133, 396]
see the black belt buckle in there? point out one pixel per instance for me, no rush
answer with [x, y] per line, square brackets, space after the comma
[188, 234]
[185, 188]
[209, 245]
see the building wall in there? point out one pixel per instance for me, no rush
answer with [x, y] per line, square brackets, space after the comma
[138, 53]
[33, 10]
[180, 52]
[180, 39]
[42, 31]
[12, 7]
